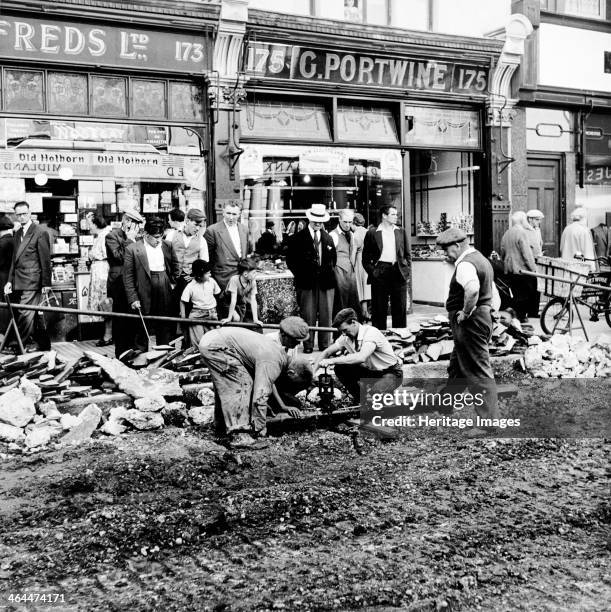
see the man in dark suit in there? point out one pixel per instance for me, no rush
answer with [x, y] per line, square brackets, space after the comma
[227, 244]
[117, 240]
[386, 258]
[30, 274]
[311, 257]
[151, 268]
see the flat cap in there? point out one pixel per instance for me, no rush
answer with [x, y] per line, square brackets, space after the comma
[535, 214]
[195, 214]
[450, 236]
[295, 327]
[134, 215]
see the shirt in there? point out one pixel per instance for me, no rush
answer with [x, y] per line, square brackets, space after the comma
[234, 234]
[389, 247]
[466, 273]
[382, 357]
[25, 228]
[201, 295]
[264, 359]
[155, 257]
[245, 292]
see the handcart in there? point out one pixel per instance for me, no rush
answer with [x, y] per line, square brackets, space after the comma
[570, 284]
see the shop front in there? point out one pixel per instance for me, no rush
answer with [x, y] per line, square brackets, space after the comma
[95, 119]
[357, 129]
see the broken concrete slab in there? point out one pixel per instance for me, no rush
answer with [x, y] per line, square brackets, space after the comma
[150, 404]
[202, 415]
[146, 383]
[16, 409]
[49, 410]
[38, 437]
[113, 428]
[206, 396]
[90, 419]
[30, 389]
[144, 420]
[10, 433]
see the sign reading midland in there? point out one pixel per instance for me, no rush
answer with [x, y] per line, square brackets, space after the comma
[298, 63]
[79, 43]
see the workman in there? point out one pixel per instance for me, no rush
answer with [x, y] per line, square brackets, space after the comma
[472, 297]
[368, 355]
[245, 366]
[293, 330]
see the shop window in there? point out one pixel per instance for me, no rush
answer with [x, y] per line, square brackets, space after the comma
[109, 96]
[366, 124]
[442, 191]
[148, 99]
[592, 9]
[442, 127]
[67, 93]
[23, 90]
[186, 102]
[280, 182]
[286, 120]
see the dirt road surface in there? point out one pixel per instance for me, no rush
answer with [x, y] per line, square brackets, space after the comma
[170, 520]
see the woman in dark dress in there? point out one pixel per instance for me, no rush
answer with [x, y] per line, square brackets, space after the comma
[6, 257]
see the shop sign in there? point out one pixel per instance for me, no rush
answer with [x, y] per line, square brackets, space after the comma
[289, 62]
[52, 40]
[324, 160]
[99, 165]
[599, 174]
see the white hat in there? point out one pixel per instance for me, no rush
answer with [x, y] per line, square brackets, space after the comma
[535, 214]
[318, 213]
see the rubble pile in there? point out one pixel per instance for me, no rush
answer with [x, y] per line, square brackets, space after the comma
[44, 399]
[570, 357]
[431, 340]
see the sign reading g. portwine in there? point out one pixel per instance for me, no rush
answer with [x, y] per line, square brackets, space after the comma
[298, 63]
[80, 43]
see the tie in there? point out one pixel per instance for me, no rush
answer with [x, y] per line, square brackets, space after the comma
[348, 235]
[317, 244]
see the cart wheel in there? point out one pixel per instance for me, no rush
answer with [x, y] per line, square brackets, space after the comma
[608, 312]
[555, 314]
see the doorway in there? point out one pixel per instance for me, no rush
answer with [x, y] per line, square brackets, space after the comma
[545, 193]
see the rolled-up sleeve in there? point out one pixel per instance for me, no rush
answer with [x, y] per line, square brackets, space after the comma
[266, 374]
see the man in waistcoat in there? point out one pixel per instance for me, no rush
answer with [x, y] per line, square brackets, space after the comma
[346, 247]
[189, 244]
[471, 299]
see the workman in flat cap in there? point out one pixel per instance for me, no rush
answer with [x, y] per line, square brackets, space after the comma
[245, 367]
[117, 240]
[471, 299]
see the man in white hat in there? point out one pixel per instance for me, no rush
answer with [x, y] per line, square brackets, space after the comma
[535, 239]
[311, 257]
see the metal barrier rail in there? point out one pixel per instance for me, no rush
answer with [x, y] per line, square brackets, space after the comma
[125, 315]
[568, 282]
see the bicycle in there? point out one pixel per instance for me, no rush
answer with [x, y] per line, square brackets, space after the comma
[557, 315]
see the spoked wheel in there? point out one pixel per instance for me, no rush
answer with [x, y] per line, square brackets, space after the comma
[608, 313]
[555, 314]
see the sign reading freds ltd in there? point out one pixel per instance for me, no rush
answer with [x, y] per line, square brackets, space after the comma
[325, 66]
[78, 43]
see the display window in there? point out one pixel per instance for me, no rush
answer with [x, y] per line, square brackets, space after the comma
[280, 182]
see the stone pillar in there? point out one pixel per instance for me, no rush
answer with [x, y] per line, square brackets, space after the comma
[226, 90]
[500, 116]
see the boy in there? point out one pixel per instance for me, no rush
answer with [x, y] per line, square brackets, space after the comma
[199, 293]
[241, 292]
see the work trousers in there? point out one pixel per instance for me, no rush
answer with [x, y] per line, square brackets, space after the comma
[161, 304]
[26, 319]
[123, 330]
[470, 360]
[316, 305]
[388, 284]
[381, 381]
[346, 294]
[233, 384]
[197, 331]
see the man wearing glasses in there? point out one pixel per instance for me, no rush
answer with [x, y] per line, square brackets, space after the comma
[366, 355]
[30, 274]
